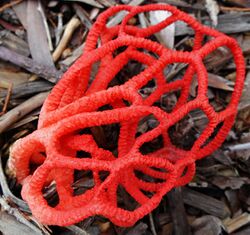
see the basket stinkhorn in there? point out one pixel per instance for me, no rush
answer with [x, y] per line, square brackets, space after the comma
[75, 104]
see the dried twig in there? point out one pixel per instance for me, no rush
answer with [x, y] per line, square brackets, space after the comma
[59, 29]
[18, 112]
[73, 24]
[7, 99]
[28, 89]
[8, 5]
[240, 9]
[49, 73]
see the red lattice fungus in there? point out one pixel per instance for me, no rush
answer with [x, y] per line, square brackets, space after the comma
[64, 145]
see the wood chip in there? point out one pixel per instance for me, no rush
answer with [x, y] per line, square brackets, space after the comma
[228, 23]
[232, 225]
[209, 225]
[205, 203]
[178, 213]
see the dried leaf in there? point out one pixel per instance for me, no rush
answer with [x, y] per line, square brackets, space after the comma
[21, 12]
[213, 11]
[219, 82]
[166, 35]
[36, 32]
[89, 2]
[118, 17]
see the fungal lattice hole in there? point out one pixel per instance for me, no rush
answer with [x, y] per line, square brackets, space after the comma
[146, 124]
[103, 175]
[83, 181]
[125, 200]
[129, 70]
[175, 71]
[94, 71]
[182, 29]
[147, 52]
[111, 20]
[119, 51]
[148, 193]
[186, 131]
[106, 136]
[50, 194]
[168, 101]
[147, 178]
[83, 154]
[213, 135]
[152, 146]
[148, 89]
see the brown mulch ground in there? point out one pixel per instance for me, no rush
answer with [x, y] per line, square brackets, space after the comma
[39, 40]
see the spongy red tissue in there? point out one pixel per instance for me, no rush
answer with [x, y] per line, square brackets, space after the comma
[74, 105]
